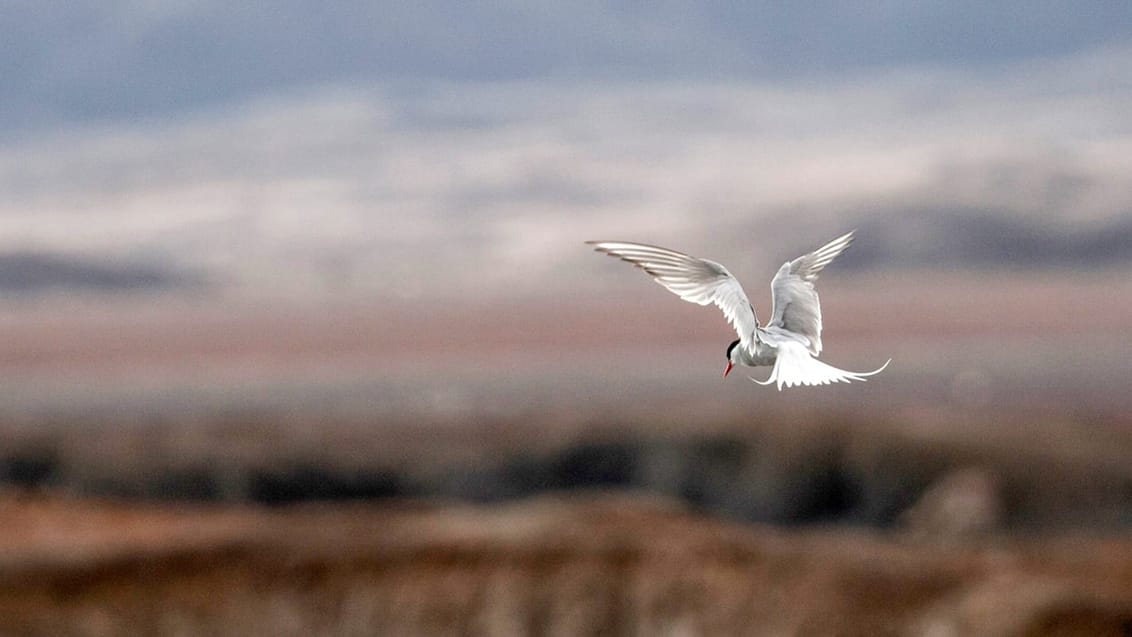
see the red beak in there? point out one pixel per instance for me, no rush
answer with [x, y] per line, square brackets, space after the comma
[728, 370]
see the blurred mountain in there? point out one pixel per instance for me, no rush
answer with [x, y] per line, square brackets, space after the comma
[955, 239]
[33, 272]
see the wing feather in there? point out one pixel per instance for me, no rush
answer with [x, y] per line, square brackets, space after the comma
[693, 279]
[796, 305]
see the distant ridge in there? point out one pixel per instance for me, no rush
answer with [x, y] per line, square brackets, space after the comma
[37, 272]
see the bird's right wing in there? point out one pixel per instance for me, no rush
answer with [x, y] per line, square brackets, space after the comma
[695, 280]
[796, 305]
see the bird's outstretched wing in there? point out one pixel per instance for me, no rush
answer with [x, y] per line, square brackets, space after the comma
[693, 279]
[796, 306]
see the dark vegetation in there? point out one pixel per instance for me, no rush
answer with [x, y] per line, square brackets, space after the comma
[833, 475]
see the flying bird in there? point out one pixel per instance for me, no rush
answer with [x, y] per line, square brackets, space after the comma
[791, 341]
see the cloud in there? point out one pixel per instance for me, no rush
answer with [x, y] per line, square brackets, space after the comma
[440, 188]
[124, 60]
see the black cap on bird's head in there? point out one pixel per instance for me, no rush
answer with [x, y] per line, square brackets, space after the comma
[728, 355]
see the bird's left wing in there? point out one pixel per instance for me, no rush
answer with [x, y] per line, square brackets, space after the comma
[693, 279]
[796, 305]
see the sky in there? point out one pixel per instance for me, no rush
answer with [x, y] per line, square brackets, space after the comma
[404, 150]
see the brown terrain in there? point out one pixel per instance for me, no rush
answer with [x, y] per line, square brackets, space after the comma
[554, 468]
[587, 565]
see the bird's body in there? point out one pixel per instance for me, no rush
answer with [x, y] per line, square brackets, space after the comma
[790, 341]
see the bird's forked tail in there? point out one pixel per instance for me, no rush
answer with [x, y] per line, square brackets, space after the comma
[795, 366]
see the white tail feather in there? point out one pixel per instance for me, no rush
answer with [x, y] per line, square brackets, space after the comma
[795, 366]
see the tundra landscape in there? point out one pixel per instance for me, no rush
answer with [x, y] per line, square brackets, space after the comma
[300, 334]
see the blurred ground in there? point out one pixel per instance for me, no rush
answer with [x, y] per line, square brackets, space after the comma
[585, 565]
[980, 486]
[1022, 379]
